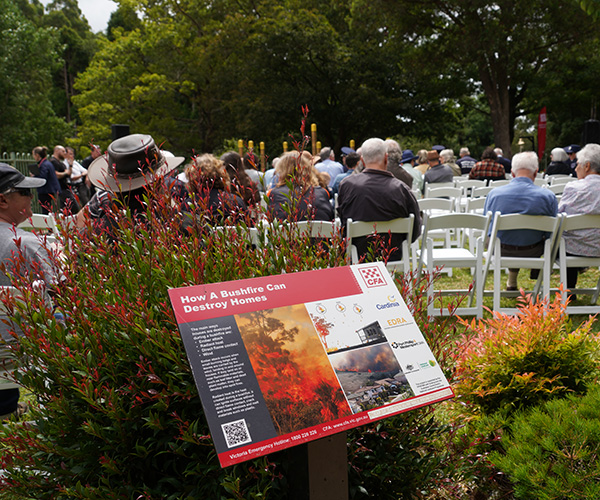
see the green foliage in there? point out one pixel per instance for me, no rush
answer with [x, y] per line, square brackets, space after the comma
[28, 54]
[119, 416]
[513, 362]
[553, 451]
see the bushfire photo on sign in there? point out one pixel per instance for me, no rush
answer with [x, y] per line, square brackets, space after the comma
[279, 362]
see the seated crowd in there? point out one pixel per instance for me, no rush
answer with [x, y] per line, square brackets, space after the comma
[379, 182]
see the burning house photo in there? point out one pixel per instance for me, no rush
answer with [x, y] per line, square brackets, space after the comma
[296, 379]
[370, 376]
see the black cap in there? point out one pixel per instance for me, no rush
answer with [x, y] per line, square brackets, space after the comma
[11, 178]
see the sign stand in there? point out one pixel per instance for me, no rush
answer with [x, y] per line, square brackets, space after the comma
[328, 468]
[318, 470]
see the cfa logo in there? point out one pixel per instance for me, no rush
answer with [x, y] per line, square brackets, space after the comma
[372, 277]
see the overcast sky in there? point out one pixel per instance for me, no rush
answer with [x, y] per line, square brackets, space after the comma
[97, 12]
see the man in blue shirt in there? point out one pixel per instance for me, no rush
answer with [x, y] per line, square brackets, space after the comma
[522, 196]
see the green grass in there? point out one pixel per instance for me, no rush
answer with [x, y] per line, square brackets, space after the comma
[461, 279]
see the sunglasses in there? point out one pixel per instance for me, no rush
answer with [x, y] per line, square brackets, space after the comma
[21, 191]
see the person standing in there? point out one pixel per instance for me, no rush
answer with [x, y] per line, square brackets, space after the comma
[48, 193]
[78, 177]
[63, 174]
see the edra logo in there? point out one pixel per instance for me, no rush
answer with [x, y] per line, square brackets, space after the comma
[372, 276]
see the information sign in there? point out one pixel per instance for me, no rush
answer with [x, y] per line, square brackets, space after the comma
[282, 360]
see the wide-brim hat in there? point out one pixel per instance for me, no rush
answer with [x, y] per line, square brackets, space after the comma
[408, 156]
[438, 147]
[130, 163]
[347, 150]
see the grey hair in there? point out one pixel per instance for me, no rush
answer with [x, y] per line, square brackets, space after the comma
[373, 150]
[498, 151]
[527, 160]
[464, 151]
[447, 155]
[558, 154]
[325, 153]
[590, 153]
[393, 145]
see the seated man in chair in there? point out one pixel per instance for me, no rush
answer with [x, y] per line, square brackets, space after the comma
[521, 196]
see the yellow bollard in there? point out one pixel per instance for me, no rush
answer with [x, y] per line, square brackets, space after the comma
[251, 145]
[285, 146]
[241, 147]
[318, 148]
[352, 144]
[262, 156]
[313, 134]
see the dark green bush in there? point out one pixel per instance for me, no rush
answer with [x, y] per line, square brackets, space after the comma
[553, 451]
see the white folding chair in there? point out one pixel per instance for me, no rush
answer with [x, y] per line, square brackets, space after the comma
[317, 228]
[40, 221]
[561, 179]
[498, 182]
[556, 188]
[467, 184]
[583, 222]
[541, 181]
[497, 262]
[435, 185]
[402, 226]
[480, 192]
[431, 257]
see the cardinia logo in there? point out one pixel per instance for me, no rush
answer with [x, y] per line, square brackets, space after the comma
[372, 277]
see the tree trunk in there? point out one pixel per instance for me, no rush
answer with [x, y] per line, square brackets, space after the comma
[497, 93]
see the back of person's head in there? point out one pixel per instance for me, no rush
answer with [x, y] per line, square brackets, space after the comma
[527, 160]
[297, 168]
[464, 152]
[558, 154]
[250, 160]
[447, 156]
[373, 151]
[206, 172]
[393, 145]
[325, 153]
[489, 154]
[590, 153]
[498, 151]
[352, 160]
[41, 151]
[422, 154]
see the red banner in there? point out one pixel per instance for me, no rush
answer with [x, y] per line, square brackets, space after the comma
[541, 132]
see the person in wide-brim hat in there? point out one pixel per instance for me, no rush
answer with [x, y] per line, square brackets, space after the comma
[131, 163]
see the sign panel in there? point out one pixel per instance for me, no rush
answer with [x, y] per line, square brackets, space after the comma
[282, 360]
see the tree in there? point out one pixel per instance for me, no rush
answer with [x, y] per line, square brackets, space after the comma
[500, 45]
[28, 54]
[78, 45]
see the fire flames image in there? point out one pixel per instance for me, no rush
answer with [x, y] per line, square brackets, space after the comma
[298, 384]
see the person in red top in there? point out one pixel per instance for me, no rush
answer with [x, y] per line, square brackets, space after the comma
[488, 168]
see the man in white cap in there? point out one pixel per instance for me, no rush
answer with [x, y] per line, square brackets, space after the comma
[15, 207]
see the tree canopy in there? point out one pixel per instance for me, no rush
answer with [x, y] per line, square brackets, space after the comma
[197, 74]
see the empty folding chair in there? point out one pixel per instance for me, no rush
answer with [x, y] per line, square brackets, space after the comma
[430, 258]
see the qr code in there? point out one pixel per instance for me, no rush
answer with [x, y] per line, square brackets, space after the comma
[236, 433]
